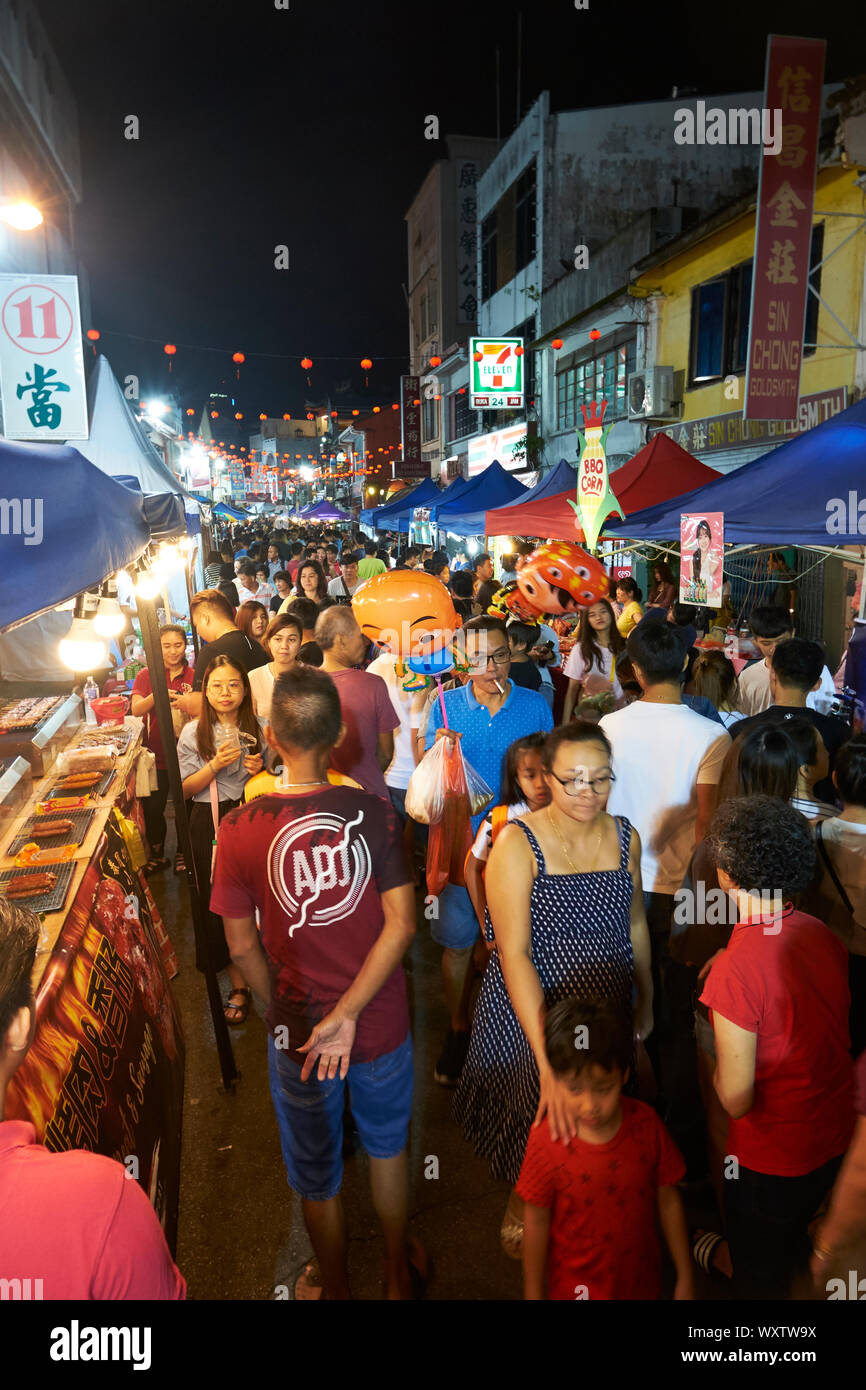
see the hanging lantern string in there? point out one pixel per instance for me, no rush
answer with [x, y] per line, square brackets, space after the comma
[276, 356]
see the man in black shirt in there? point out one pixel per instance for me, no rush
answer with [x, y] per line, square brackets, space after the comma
[795, 671]
[211, 613]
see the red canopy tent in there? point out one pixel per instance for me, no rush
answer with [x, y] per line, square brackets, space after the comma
[660, 470]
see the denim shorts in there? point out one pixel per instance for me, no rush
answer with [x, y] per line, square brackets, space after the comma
[456, 924]
[310, 1115]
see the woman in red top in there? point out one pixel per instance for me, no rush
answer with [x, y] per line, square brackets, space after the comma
[779, 1000]
[180, 676]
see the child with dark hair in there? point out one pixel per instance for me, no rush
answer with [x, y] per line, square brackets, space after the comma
[523, 789]
[779, 999]
[592, 1203]
[521, 638]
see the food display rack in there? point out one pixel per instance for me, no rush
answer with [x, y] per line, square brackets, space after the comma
[41, 743]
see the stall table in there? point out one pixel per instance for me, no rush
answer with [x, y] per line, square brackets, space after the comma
[105, 1070]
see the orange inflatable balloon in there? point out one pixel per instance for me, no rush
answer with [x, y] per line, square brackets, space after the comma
[411, 614]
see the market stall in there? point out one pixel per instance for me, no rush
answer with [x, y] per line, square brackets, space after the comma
[105, 1071]
[658, 471]
[106, 1067]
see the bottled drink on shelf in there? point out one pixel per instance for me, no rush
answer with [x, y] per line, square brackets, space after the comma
[91, 692]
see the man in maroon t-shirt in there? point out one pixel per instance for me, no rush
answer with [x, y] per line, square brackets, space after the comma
[779, 1000]
[73, 1223]
[369, 718]
[324, 867]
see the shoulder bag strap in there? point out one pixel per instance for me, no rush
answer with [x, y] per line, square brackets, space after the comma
[825, 859]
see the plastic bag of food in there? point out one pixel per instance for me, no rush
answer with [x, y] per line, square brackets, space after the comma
[426, 792]
[73, 760]
[450, 836]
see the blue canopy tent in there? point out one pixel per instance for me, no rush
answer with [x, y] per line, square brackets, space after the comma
[227, 510]
[164, 511]
[464, 514]
[797, 494]
[397, 514]
[76, 526]
[327, 511]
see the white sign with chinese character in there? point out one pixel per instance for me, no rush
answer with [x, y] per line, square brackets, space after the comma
[41, 358]
[496, 373]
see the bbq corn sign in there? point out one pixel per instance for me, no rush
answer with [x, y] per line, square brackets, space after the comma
[595, 497]
[496, 366]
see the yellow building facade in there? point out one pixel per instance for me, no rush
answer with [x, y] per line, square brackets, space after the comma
[714, 262]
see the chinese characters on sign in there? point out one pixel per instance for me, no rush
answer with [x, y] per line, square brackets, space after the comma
[466, 174]
[413, 465]
[41, 360]
[712, 434]
[496, 373]
[783, 231]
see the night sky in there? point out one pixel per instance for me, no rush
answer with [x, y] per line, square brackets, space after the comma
[306, 127]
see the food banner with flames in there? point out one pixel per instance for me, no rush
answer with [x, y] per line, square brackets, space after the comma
[105, 1071]
[596, 499]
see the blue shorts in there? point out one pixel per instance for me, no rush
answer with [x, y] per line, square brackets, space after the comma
[456, 924]
[310, 1115]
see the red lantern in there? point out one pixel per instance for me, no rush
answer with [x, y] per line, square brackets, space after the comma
[395, 407]
[356, 412]
[190, 410]
[462, 391]
[238, 415]
[518, 352]
[238, 357]
[416, 402]
[263, 416]
[557, 343]
[214, 415]
[477, 356]
[306, 363]
[287, 417]
[595, 334]
[435, 361]
[376, 409]
[93, 335]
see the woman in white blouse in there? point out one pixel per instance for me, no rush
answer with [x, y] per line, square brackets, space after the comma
[590, 667]
[282, 641]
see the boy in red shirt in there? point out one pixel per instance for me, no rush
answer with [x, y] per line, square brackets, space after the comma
[779, 1000]
[592, 1201]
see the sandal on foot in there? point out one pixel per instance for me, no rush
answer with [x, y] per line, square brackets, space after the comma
[704, 1246]
[179, 863]
[154, 865]
[307, 1285]
[240, 1009]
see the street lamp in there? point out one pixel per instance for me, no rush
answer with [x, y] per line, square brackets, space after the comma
[23, 217]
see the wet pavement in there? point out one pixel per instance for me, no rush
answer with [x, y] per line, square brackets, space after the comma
[241, 1234]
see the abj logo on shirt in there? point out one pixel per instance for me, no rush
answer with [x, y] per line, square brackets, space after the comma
[336, 863]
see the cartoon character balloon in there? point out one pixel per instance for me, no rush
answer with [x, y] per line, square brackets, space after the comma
[411, 613]
[557, 578]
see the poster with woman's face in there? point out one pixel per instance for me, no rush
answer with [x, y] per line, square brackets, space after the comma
[701, 552]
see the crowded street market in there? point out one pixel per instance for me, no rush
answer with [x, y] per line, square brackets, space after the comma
[433, 782]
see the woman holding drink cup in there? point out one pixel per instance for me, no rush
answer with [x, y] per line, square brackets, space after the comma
[218, 753]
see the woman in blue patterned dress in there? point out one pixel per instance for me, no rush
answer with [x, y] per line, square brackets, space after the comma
[566, 906]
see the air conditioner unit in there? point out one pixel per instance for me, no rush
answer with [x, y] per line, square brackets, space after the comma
[651, 394]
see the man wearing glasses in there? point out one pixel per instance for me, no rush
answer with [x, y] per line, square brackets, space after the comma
[487, 715]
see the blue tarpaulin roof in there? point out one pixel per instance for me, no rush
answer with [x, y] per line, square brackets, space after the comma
[164, 511]
[464, 514]
[64, 527]
[396, 514]
[793, 495]
[225, 509]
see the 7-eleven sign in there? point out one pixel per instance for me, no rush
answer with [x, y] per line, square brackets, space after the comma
[496, 373]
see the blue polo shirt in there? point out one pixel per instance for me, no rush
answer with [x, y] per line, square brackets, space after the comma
[487, 738]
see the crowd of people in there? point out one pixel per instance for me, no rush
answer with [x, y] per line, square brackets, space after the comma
[653, 960]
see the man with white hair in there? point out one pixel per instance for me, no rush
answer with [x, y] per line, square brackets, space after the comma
[369, 718]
